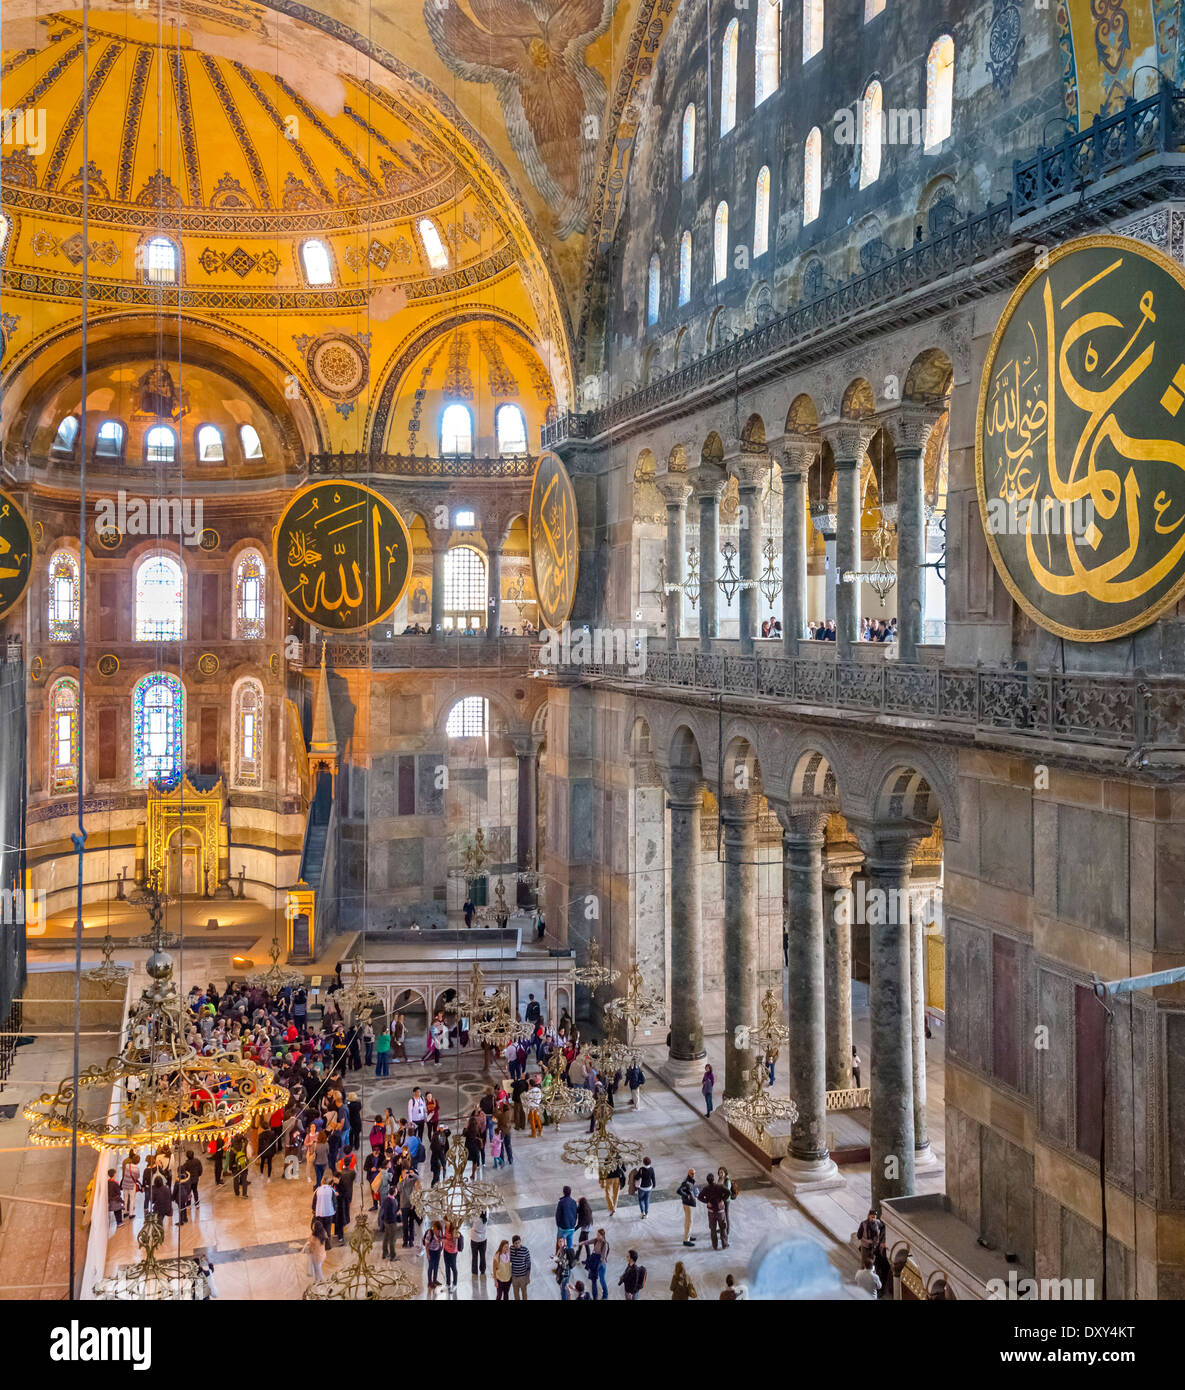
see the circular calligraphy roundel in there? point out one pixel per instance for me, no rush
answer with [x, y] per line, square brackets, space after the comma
[555, 540]
[16, 553]
[1080, 439]
[342, 554]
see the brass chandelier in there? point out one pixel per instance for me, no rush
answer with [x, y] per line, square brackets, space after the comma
[360, 1280]
[596, 973]
[356, 1000]
[178, 1279]
[602, 1150]
[638, 1004]
[455, 1197]
[108, 974]
[276, 977]
[560, 1100]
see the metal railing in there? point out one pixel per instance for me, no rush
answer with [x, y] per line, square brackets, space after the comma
[344, 464]
[419, 652]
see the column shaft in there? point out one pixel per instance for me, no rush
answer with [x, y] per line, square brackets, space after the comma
[917, 961]
[911, 543]
[803, 867]
[847, 554]
[750, 500]
[438, 592]
[676, 544]
[687, 980]
[837, 945]
[708, 555]
[793, 559]
[526, 818]
[494, 606]
[740, 936]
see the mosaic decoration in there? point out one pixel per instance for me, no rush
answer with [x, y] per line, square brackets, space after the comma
[246, 144]
[99, 72]
[1004, 42]
[133, 109]
[157, 722]
[44, 244]
[16, 554]
[339, 366]
[379, 254]
[553, 531]
[238, 262]
[1109, 49]
[342, 555]
[502, 381]
[1080, 440]
[458, 382]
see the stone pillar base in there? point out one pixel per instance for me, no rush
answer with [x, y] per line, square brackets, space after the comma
[808, 1175]
[925, 1158]
[679, 1073]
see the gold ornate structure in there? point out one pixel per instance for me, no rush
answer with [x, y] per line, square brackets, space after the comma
[276, 977]
[759, 1109]
[602, 1150]
[108, 974]
[638, 1004]
[455, 1197]
[596, 973]
[360, 1279]
[183, 842]
[770, 1032]
[553, 529]
[178, 1279]
[561, 1100]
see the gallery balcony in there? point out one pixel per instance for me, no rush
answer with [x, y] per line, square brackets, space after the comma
[512, 654]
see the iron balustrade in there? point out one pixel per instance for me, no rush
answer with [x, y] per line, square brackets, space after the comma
[343, 464]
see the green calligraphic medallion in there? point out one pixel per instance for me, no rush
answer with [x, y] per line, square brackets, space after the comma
[554, 539]
[1080, 439]
[16, 554]
[342, 554]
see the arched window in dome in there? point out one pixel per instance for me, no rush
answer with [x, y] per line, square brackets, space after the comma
[433, 246]
[511, 426]
[687, 156]
[728, 78]
[761, 213]
[209, 445]
[109, 440]
[468, 718]
[720, 244]
[66, 437]
[64, 606]
[160, 445]
[250, 615]
[159, 599]
[465, 589]
[685, 268]
[456, 429]
[812, 175]
[870, 134]
[160, 261]
[157, 729]
[249, 438]
[247, 713]
[653, 290]
[812, 28]
[940, 90]
[769, 49]
[318, 268]
[63, 737]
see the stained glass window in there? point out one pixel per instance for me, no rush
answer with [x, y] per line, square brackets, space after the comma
[812, 28]
[769, 48]
[209, 442]
[728, 78]
[63, 597]
[249, 437]
[761, 213]
[63, 441]
[63, 750]
[456, 430]
[250, 614]
[433, 246]
[318, 269]
[468, 718]
[720, 244]
[511, 427]
[109, 440]
[160, 445]
[465, 587]
[870, 135]
[157, 723]
[159, 591]
[248, 726]
[161, 261]
[940, 89]
[688, 155]
[812, 175]
[685, 268]
[653, 287]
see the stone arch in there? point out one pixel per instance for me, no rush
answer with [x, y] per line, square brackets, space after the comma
[713, 449]
[684, 762]
[859, 402]
[740, 767]
[497, 701]
[680, 348]
[929, 377]
[803, 415]
[648, 360]
[753, 434]
[902, 783]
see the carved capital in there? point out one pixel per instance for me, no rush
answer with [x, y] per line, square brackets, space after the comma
[675, 490]
[708, 479]
[910, 426]
[799, 451]
[749, 469]
[849, 440]
[803, 830]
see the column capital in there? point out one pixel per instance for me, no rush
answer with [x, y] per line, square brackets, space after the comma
[740, 809]
[841, 862]
[799, 451]
[684, 788]
[910, 425]
[749, 469]
[674, 487]
[708, 480]
[803, 829]
[889, 845]
[849, 440]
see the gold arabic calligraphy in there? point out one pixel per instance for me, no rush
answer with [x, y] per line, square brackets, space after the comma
[554, 553]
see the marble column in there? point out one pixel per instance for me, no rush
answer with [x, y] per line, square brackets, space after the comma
[494, 605]
[687, 977]
[527, 819]
[750, 471]
[888, 851]
[738, 815]
[709, 484]
[797, 458]
[438, 591]
[849, 442]
[917, 969]
[837, 948]
[675, 490]
[911, 428]
[809, 1165]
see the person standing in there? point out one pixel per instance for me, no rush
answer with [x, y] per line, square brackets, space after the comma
[382, 1052]
[368, 1041]
[114, 1197]
[855, 1066]
[389, 1222]
[434, 1243]
[399, 1039]
[130, 1182]
[635, 1079]
[477, 1244]
[520, 1268]
[417, 1112]
[870, 1233]
[505, 1120]
[534, 1103]
[715, 1199]
[707, 1085]
[567, 1213]
[451, 1243]
[502, 1273]
[406, 1194]
[315, 1248]
[647, 1181]
[219, 1156]
[239, 1166]
[730, 1195]
[325, 1205]
[633, 1277]
[682, 1289]
[195, 1168]
[598, 1259]
[688, 1191]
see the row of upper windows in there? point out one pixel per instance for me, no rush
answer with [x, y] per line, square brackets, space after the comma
[936, 123]
[160, 442]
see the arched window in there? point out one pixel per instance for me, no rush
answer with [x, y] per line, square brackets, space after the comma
[318, 268]
[157, 729]
[940, 89]
[653, 290]
[465, 593]
[433, 246]
[769, 49]
[63, 597]
[64, 440]
[687, 160]
[159, 599]
[872, 8]
[685, 268]
[209, 445]
[812, 28]
[720, 244]
[249, 438]
[250, 613]
[511, 427]
[761, 213]
[109, 440]
[63, 738]
[870, 134]
[456, 430]
[812, 175]
[468, 718]
[160, 445]
[160, 261]
[728, 78]
[247, 761]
